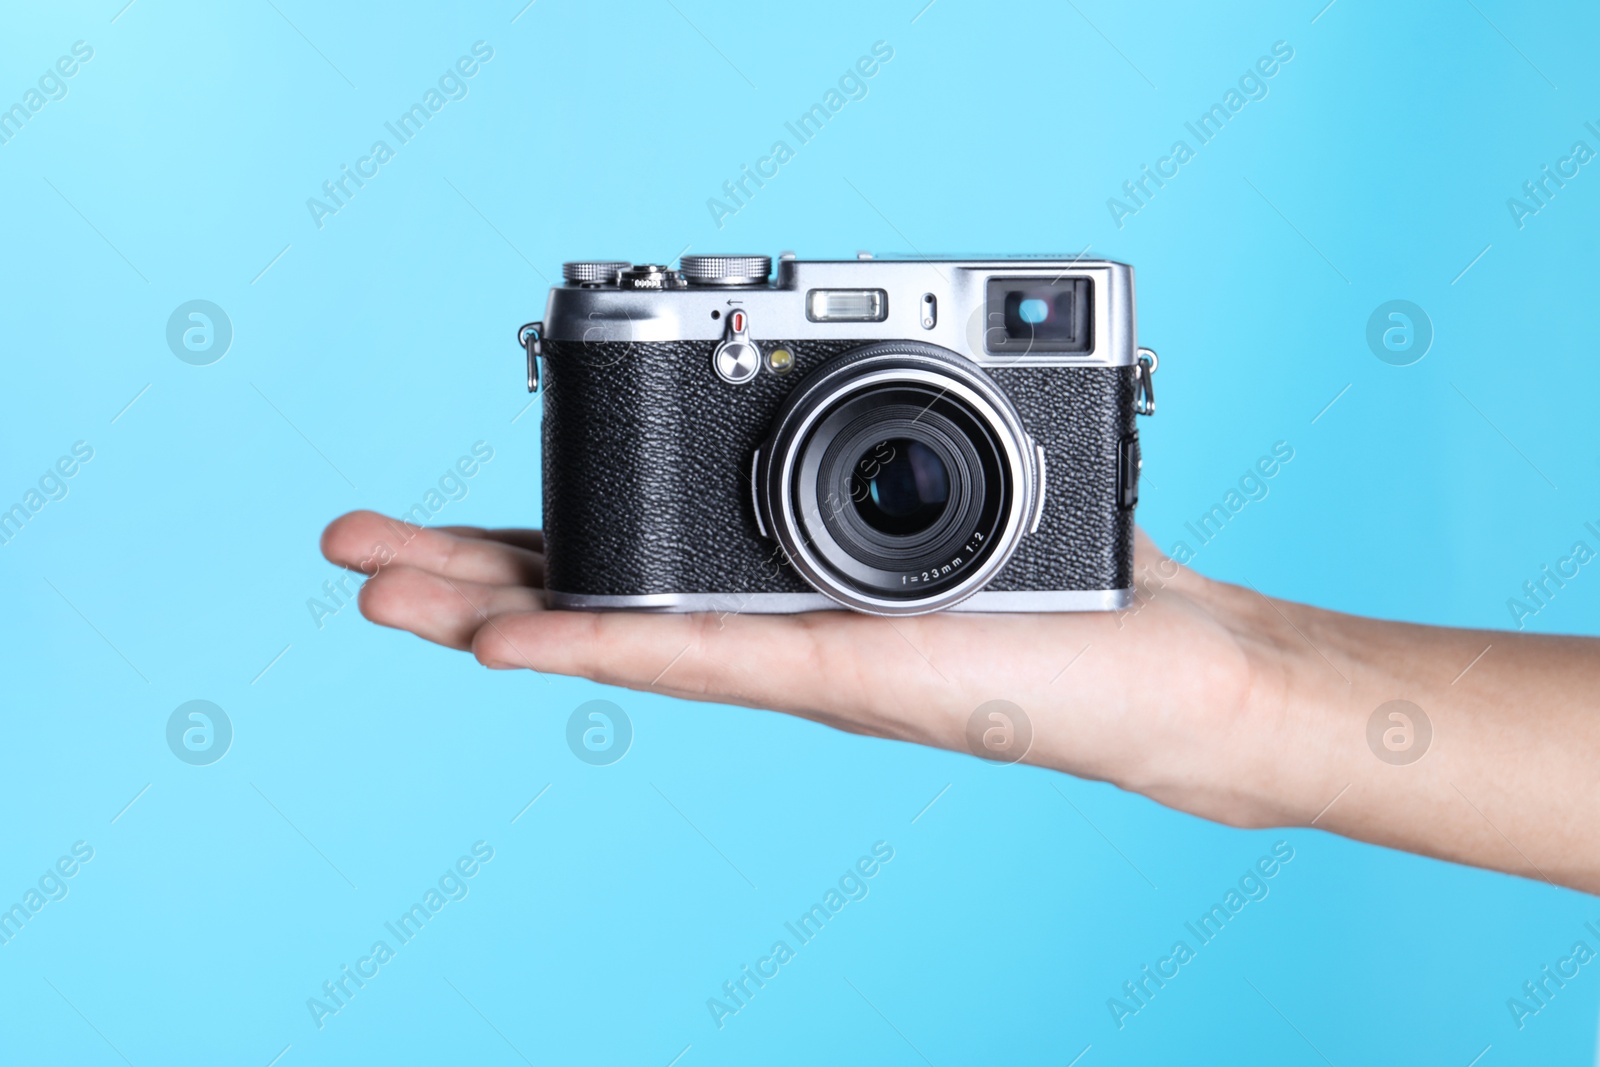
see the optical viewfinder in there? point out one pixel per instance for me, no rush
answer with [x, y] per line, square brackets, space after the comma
[1039, 315]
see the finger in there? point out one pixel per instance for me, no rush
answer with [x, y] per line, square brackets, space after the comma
[446, 611]
[532, 540]
[809, 665]
[368, 542]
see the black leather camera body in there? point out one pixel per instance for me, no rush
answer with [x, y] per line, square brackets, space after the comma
[890, 436]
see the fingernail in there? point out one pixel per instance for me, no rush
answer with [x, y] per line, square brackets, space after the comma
[502, 666]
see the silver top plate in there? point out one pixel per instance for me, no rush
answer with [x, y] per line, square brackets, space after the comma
[778, 311]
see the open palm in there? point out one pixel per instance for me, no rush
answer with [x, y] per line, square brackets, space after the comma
[1107, 695]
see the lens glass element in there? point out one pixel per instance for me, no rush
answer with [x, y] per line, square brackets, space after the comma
[904, 488]
[900, 487]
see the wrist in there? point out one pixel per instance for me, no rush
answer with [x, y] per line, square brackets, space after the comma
[1287, 750]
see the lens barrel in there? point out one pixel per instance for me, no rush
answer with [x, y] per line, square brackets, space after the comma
[898, 479]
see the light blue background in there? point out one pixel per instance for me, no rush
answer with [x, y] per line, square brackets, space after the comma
[376, 350]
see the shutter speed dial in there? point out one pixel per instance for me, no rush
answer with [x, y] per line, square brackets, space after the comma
[726, 270]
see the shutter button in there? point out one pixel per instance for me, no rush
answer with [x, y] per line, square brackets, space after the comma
[737, 359]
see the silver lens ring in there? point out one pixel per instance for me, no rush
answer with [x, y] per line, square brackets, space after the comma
[892, 366]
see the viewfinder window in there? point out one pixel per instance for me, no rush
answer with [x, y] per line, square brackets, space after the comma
[1039, 315]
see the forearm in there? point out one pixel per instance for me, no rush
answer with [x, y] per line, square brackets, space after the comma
[1509, 778]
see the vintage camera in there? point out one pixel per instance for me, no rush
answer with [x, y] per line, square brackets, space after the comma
[895, 436]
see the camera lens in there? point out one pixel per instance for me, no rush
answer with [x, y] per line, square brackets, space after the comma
[897, 478]
[900, 486]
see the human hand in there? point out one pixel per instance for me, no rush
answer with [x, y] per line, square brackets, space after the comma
[1156, 699]
[1208, 697]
